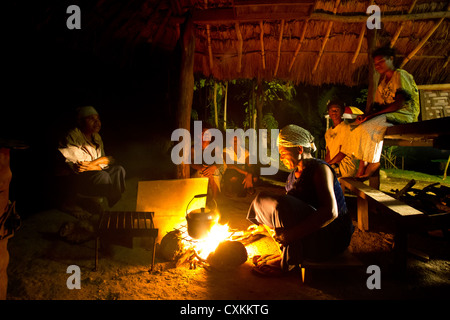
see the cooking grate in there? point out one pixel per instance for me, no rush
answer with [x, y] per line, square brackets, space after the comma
[128, 224]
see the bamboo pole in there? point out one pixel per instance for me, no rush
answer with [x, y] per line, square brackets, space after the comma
[240, 45]
[302, 37]
[261, 39]
[216, 118]
[225, 107]
[422, 42]
[280, 38]
[208, 34]
[402, 24]
[325, 40]
[360, 41]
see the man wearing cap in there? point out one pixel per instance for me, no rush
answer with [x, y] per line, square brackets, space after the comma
[309, 222]
[344, 165]
[93, 172]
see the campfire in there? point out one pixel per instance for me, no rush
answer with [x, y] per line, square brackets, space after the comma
[222, 247]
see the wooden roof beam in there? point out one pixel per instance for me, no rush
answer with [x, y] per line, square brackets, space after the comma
[402, 24]
[240, 45]
[261, 39]
[208, 35]
[279, 48]
[228, 15]
[422, 42]
[302, 37]
[326, 37]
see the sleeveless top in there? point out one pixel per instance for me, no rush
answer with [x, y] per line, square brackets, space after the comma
[302, 187]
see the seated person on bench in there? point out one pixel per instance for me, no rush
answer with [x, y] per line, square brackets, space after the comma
[343, 165]
[93, 173]
[309, 222]
[240, 175]
[396, 101]
[213, 171]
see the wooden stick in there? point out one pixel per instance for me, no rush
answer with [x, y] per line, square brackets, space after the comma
[240, 45]
[360, 41]
[261, 38]
[399, 30]
[208, 33]
[225, 107]
[302, 37]
[325, 40]
[422, 42]
[280, 38]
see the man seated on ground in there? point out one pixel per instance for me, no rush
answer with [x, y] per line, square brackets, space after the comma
[92, 172]
[309, 222]
[343, 165]
[240, 176]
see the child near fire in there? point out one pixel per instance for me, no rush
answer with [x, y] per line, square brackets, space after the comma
[311, 220]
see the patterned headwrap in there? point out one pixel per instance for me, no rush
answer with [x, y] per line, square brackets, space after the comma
[294, 136]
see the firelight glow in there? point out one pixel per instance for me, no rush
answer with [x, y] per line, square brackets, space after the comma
[217, 234]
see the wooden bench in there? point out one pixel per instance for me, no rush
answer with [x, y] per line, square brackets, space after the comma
[406, 218]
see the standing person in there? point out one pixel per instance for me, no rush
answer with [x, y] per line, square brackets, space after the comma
[8, 217]
[344, 166]
[92, 172]
[309, 222]
[396, 101]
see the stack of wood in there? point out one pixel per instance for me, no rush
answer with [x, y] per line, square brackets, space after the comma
[433, 199]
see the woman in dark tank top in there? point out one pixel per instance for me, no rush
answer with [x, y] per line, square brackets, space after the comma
[311, 220]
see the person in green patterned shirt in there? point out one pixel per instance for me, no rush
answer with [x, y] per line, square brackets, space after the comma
[396, 101]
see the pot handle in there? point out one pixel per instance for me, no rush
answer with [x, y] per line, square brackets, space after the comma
[197, 196]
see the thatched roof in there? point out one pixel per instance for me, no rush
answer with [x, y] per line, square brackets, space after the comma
[305, 41]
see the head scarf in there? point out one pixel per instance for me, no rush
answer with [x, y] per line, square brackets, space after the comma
[294, 136]
[83, 112]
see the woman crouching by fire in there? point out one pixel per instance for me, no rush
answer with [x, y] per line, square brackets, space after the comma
[311, 220]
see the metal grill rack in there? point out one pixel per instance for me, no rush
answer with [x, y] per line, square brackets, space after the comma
[128, 224]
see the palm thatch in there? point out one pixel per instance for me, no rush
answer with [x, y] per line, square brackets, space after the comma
[304, 41]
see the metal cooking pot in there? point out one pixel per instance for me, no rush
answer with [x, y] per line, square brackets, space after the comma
[200, 221]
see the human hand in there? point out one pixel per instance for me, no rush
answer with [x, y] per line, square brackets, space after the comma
[83, 166]
[208, 171]
[248, 181]
[360, 119]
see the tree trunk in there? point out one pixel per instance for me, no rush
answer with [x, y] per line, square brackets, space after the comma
[186, 92]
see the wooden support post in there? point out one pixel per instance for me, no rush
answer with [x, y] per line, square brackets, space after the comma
[186, 85]
[373, 75]
[363, 213]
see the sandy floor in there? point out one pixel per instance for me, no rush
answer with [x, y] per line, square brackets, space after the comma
[40, 258]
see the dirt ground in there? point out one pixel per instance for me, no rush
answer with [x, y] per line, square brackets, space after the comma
[39, 259]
